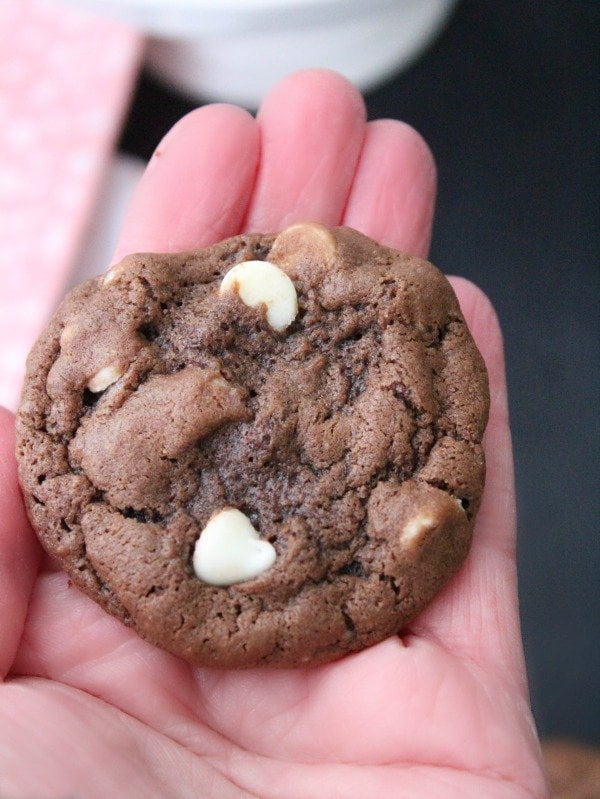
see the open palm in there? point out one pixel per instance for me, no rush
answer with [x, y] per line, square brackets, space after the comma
[90, 710]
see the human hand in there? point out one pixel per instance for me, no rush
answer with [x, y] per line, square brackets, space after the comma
[90, 709]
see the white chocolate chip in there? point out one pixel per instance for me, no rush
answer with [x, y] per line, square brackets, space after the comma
[415, 528]
[69, 332]
[230, 551]
[104, 378]
[318, 236]
[302, 242]
[262, 283]
[114, 273]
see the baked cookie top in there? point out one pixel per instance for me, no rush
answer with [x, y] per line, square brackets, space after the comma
[267, 451]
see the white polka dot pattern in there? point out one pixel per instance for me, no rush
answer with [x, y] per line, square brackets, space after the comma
[65, 79]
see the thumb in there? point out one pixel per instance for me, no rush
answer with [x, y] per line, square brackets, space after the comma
[19, 550]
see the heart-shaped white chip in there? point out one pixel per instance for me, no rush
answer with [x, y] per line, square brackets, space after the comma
[262, 283]
[230, 551]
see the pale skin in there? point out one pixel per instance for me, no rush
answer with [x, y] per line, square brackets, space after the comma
[88, 709]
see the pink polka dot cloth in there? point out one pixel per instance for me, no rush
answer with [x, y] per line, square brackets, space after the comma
[65, 81]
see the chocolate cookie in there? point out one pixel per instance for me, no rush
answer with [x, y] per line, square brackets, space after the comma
[264, 452]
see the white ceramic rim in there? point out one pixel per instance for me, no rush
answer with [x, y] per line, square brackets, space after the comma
[168, 18]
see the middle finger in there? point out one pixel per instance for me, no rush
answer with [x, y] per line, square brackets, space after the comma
[312, 127]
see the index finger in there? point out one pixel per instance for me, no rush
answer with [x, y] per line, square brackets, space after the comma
[197, 186]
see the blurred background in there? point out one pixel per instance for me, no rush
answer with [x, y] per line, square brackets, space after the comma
[505, 93]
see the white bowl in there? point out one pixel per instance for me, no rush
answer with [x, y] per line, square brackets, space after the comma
[235, 50]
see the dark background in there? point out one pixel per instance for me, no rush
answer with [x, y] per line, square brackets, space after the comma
[507, 99]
